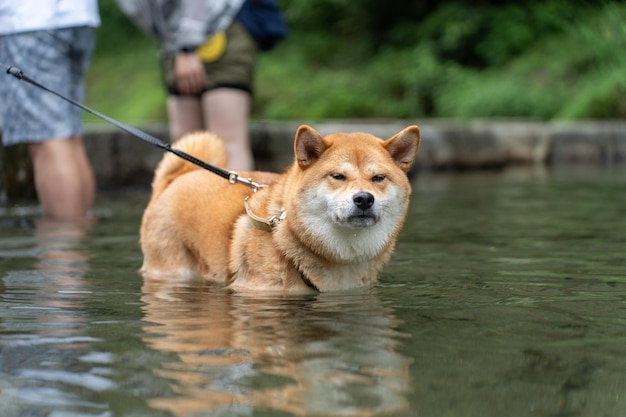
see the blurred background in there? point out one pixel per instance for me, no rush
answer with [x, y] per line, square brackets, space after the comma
[535, 59]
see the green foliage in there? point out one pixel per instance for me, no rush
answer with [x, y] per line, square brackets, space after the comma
[469, 95]
[574, 73]
[600, 92]
[124, 79]
[602, 95]
[127, 86]
[545, 59]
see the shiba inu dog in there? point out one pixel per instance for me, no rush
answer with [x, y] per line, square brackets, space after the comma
[329, 222]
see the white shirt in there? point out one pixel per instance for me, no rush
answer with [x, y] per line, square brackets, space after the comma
[27, 15]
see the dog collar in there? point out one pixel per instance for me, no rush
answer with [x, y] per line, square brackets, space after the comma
[261, 223]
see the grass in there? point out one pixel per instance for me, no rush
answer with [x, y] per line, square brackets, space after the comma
[127, 86]
[572, 72]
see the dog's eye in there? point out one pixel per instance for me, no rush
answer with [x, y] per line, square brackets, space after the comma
[378, 178]
[337, 176]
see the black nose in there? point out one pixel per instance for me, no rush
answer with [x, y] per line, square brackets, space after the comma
[363, 200]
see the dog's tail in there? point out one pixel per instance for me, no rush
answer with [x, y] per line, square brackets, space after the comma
[202, 145]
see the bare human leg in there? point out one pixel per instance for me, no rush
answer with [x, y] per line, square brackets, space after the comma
[226, 112]
[185, 115]
[64, 179]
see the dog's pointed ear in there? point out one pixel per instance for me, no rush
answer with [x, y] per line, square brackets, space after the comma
[309, 146]
[403, 147]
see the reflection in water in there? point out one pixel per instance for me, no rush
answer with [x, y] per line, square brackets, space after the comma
[325, 354]
[44, 323]
[56, 283]
[511, 290]
[62, 266]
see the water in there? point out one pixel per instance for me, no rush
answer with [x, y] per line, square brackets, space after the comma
[506, 297]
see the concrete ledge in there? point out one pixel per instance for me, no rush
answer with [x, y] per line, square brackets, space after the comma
[120, 159]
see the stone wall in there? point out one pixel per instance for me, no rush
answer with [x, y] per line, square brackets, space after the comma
[122, 160]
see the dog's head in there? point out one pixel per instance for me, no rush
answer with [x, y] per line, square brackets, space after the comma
[354, 186]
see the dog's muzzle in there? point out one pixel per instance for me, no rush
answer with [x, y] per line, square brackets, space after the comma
[363, 215]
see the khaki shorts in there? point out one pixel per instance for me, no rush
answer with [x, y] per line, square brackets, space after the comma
[234, 68]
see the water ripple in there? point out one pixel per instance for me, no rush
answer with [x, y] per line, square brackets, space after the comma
[28, 340]
[93, 382]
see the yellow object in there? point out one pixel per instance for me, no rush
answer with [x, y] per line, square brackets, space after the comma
[214, 48]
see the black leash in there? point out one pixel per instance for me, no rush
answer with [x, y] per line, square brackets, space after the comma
[231, 176]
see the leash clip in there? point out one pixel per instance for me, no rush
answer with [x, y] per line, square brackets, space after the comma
[233, 177]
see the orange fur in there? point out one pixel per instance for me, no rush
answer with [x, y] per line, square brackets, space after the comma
[202, 145]
[345, 199]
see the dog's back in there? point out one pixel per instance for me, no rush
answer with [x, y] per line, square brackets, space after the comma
[203, 145]
[186, 228]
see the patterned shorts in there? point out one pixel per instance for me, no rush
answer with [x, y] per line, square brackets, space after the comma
[233, 69]
[57, 59]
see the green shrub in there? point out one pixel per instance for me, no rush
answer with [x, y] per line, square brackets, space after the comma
[343, 59]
